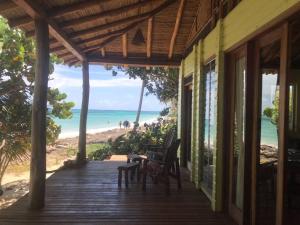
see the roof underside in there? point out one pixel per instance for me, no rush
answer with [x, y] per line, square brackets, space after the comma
[102, 31]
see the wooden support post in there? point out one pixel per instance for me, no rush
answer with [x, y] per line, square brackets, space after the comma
[81, 156]
[39, 110]
[283, 124]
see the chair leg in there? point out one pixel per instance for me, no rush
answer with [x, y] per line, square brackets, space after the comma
[126, 178]
[178, 174]
[167, 183]
[138, 173]
[120, 178]
[132, 173]
[144, 180]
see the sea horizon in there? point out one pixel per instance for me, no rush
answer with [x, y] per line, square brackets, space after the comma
[100, 120]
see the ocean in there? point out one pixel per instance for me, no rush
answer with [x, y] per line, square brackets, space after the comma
[102, 120]
[268, 132]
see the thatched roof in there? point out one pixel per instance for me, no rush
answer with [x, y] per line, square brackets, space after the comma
[102, 31]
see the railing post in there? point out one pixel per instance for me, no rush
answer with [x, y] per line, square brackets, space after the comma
[39, 110]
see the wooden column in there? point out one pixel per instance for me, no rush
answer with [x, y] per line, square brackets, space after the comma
[283, 123]
[81, 156]
[39, 110]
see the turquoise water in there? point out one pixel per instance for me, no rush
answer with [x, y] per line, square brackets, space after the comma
[101, 120]
[268, 132]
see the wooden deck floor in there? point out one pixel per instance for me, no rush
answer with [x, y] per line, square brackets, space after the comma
[90, 196]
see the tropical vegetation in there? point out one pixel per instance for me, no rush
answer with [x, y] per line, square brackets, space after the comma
[17, 60]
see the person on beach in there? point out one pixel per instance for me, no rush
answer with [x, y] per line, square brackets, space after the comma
[120, 124]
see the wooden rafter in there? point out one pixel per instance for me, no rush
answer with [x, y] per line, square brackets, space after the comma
[124, 20]
[149, 37]
[104, 14]
[36, 11]
[103, 52]
[124, 45]
[155, 61]
[109, 40]
[6, 5]
[108, 34]
[20, 21]
[176, 28]
[57, 49]
[101, 45]
[63, 10]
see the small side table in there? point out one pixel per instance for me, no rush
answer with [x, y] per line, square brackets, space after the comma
[132, 167]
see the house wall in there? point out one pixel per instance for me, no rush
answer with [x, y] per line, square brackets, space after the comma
[247, 19]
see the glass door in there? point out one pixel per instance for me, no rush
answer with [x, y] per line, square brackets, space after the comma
[268, 128]
[237, 137]
[211, 88]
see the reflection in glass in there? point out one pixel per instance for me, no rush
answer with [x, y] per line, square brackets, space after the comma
[239, 133]
[267, 164]
[211, 83]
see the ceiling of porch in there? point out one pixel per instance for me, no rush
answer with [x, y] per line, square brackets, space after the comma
[103, 31]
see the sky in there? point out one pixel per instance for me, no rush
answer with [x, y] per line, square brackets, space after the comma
[107, 92]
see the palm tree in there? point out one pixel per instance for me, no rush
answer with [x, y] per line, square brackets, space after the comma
[136, 124]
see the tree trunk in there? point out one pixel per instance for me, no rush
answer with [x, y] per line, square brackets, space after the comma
[140, 105]
[39, 111]
[81, 156]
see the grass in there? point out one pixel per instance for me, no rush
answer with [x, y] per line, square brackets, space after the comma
[93, 147]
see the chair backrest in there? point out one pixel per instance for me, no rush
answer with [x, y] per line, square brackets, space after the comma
[171, 152]
[170, 137]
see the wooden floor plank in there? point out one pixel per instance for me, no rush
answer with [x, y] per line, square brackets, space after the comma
[90, 195]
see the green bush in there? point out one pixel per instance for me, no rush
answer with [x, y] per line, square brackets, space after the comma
[137, 141]
[134, 141]
[100, 154]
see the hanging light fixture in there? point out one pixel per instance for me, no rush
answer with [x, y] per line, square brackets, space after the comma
[138, 38]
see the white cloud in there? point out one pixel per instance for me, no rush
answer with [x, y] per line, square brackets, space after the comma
[61, 81]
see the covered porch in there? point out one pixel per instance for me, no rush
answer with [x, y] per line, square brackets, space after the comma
[90, 195]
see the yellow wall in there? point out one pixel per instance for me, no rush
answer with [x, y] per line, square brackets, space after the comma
[252, 15]
[247, 19]
[189, 65]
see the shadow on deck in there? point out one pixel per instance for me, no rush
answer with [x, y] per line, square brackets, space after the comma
[90, 195]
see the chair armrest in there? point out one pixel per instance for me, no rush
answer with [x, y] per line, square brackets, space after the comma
[152, 155]
[153, 147]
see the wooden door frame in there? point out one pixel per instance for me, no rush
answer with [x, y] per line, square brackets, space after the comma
[280, 33]
[187, 81]
[243, 51]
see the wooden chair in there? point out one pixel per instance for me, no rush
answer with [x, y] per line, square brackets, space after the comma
[156, 152]
[162, 170]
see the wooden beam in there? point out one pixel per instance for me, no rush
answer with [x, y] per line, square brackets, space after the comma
[103, 52]
[101, 45]
[283, 127]
[108, 34]
[81, 155]
[67, 61]
[63, 10]
[39, 111]
[149, 37]
[124, 45]
[109, 40]
[7, 5]
[104, 14]
[176, 28]
[140, 62]
[57, 49]
[124, 20]
[20, 21]
[36, 11]
[64, 54]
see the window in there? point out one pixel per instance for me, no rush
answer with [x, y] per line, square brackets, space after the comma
[211, 86]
